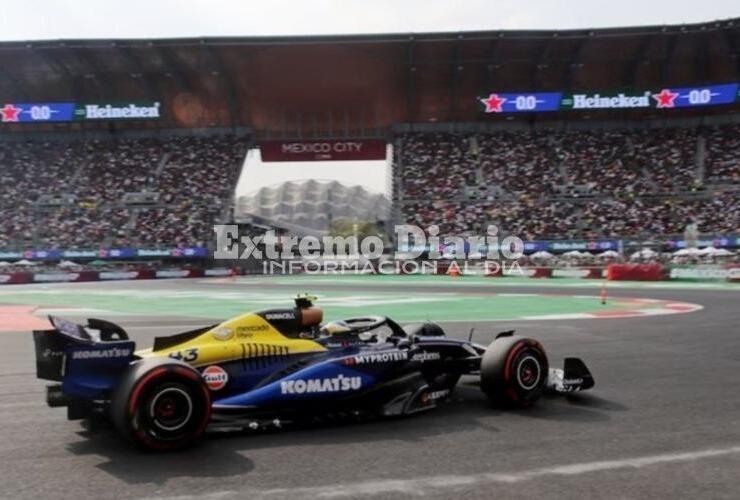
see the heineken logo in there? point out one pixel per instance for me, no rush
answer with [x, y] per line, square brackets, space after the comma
[597, 101]
[665, 98]
[118, 111]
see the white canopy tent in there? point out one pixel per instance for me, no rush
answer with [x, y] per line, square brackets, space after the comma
[67, 264]
[573, 253]
[715, 252]
[609, 254]
[542, 254]
[723, 252]
[645, 253]
[685, 252]
[25, 262]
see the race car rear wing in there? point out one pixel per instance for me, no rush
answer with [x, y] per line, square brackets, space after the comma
[80, 355]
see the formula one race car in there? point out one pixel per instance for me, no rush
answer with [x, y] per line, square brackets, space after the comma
[271, 367]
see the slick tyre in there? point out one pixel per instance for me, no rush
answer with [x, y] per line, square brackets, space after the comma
[514, 372]
[161, 405]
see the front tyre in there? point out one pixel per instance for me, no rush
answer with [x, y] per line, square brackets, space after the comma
[161, 405]
[514, 371]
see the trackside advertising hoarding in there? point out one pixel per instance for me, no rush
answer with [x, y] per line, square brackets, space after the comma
[119, 111]
[38, 112]
[593, 246]
[597, 246]
[106, 253]
[323, 150]
[660, 98]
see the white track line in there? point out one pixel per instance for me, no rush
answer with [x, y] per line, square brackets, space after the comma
[543, 317]
[435, 484]
[43, 311]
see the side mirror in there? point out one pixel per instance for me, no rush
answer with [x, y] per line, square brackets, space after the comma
[507, 333]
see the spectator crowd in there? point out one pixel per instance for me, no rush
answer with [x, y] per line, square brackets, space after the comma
[572, 185]
[536, 184]
[73, 194]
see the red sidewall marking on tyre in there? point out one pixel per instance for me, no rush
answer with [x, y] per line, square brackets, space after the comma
[510, 358]
[133, 400]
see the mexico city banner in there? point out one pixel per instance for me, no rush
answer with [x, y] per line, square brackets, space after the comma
[323, 150]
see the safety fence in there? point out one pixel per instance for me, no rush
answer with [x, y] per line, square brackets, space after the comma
[613, 272]
[14, 278]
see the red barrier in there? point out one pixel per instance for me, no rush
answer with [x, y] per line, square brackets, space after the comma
[15, 278]
[146, 274]
[596, 273]
[494, 271]
[542, 272]
[88, 276]
[196, 273]
[635, 272]
[441, 269]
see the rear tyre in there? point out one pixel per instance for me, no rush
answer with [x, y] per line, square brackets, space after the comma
[161, 405]
[514, 371]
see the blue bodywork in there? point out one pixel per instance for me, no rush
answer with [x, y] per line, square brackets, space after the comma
[90, 369]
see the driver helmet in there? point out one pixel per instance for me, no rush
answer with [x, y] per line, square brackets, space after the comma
[335, 328]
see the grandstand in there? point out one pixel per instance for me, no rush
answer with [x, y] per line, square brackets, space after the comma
[116, 193]
[572, 185]
[139, 143]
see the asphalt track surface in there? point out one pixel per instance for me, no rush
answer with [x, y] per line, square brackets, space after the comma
[662, 422]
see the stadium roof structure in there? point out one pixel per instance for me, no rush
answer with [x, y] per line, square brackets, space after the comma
[360, 85]
[314, 204]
